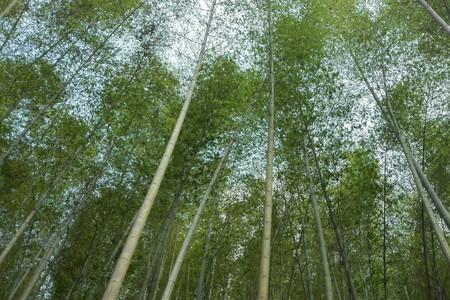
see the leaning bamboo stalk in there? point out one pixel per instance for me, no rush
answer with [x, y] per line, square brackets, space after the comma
[443, 212]
[319, 229]
[115, 283]
[201, 278]
[24, 276]
[387, 113]
[155, 260]
[179, 261]
[158, 279]
[337, 232]
[435, 16]
[389, 116]
[37, 272]
[18, 233]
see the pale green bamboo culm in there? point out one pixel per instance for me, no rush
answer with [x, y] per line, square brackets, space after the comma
[187, 240]
[8, 8]
[391, 120]
[319, 229]
[435, 16]
[120, 270]
[264, 267]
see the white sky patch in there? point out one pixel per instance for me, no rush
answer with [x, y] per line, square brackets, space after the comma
[373, 7]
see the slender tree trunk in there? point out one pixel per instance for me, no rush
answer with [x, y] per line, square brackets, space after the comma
[115, 283]
[322, 244]
[37, 272]
[83, 268]
[338, 290]
[387, 113]
[385, 278]
[436, 276]
[370, 285]
[422, 215]
[17, 235]
[291, 278]
[50, 251]
[118, 246]
[211, 280]
[16, 22]
[264, 268]
[148, 287]
[19, 283]
[309, 290]
[158, 280]
[337, 232]
[440, 207]
[424, 250]
[78, 278]
[178, 263]
[435, 16]
[443, 212]
[24, 276]
[201, 278]
[406, 292]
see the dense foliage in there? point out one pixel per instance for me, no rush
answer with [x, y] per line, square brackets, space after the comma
[90, 92]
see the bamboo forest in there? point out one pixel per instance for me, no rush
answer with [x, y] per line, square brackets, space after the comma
[225, 149]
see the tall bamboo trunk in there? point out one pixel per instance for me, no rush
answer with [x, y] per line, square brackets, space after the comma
[119, 245]
[443, 212]
[37, 272]
[264, 268]
[337, 232]
[309, 289]
[435, 16]
[101, 284]
[51, 250]
[385, 277]
[148, 287]
[422, 215]
[17, 235]
[390, 118]
[187, 240]
[211, 279]
[436, 276]
[17, 286]
[158, 280]
[78, 204]
[201, 278]
[115, 283]
[336, 285]
[318, 222]
[81, 273]
[414, 170]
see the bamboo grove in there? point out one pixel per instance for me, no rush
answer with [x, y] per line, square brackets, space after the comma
[225, 149]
